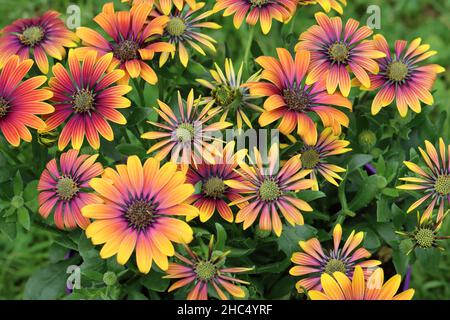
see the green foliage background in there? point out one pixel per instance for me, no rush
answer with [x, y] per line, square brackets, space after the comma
[30, 248]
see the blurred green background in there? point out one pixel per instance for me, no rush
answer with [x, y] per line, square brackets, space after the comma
[400, 19]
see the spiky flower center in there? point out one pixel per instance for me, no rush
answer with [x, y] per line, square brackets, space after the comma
[310, 158]
[297, 99]
[127, 50]
[335, 265]
[224, 95]
[83, 101]
[424, 238]
[269, 190]
[259, 2]
[214, 187]
[397, 71]
[140, 214]
[205, 270]
[176, 27]
[66, 188]
[442, 185]
[4, 106]
[32, 36]
[339, 52]
[185, 132]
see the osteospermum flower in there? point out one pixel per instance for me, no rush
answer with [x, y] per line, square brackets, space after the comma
[186, 134]
[136, 212]
[403, 77]
[215, 194]
[341, 287]
[337, 51]
[41, 36]
[228, 93]
[86, 97]
[270, 192]
[425, 234]
[64, 188]
[185, 28]
[133, 40]
[166, 5]
[314, 156]
[314, 261]
[292, 101]
[203, 274]
[21, 101]
[434, 182]
[327, 5]
[254, 10]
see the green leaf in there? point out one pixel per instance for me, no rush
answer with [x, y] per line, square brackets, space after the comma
[18, 184]
[131, 150]
[288, 241]
[383, 211]
[221, 237]
[8, 228]
[23, 217]
[31, 191]
[367, 192]
[357, 161]
[139, 115]
[154, 281]
[310, 195]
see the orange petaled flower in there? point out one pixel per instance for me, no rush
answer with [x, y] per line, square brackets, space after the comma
[434, 182]
[215, 194]
[402, 77]
[271, 192]
[341, 287]
[41, 36]
[184, 28]
[21, 101]
[254, 10]
[314, 261]
[87, 98]
[137, 212]
[228, 93]
[327, 5]
[185, 134]
[291, 100]
[133, 40]
[337, 51]
[205, 274]
[314, 156]
[64, 189]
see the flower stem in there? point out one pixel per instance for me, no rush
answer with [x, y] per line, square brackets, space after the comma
[249, 44]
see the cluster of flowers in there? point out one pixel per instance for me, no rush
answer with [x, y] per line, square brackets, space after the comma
[134, 206]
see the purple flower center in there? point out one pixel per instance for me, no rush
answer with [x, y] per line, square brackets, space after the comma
[140, 214]
[297, 99]
[126, 50]
[31, 36]
[4, 106]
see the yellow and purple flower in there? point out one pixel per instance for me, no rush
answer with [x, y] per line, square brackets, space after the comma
[166, 5]
[136, 212]
[87, 98]
[342, 287]
[215, 195]
[314, 156]
[337, 51]
[402, 77]
[204, 274]
[41, 36]
[184, 28]
[228, 93]
[434, 182]
[134, 40]
[292, 100]
[271, 192]
[254, 10]
[21, 101]
[185, 135]
[314, 262]
[327, 5]
[425, 234]
[64, 189]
